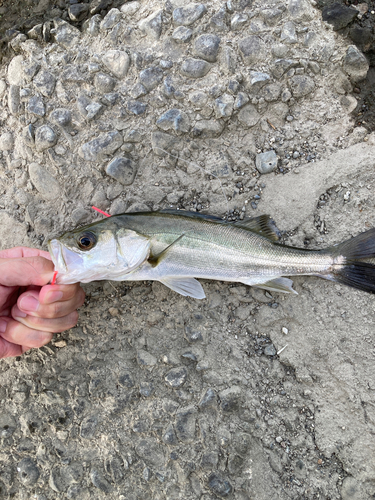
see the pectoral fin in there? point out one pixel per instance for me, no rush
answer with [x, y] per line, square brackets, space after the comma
[283, 285]
[155, 259]
[188, 287]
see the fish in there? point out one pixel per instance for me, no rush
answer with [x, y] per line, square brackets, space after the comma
[176, 247]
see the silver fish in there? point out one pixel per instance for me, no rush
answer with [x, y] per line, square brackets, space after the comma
[175, 247]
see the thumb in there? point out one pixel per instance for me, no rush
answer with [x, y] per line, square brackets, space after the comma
[26, 271]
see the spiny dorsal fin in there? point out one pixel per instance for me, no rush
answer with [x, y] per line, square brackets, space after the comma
[193, 215]
[263, 225]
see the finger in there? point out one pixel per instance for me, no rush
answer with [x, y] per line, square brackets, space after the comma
[18, 252]
[9, 350]
[26, 271]
[54, 325]
[53, 303]
[22, 335]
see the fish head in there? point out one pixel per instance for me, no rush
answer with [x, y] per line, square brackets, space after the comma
[99, 251]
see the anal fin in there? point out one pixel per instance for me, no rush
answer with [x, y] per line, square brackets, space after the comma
[188, 287]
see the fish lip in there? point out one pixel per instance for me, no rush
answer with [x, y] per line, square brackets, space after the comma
[55, 250]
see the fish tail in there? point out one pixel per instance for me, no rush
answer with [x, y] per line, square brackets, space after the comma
[354, 262]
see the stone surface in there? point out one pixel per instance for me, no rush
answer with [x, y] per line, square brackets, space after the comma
[122, 170]
[208, 128]
[207, 47]
[195, 68]
[36, 106]
[174, 120]
[104, 83]
[355, 64]
[104, 144]
[151, 77]
[188, 14]
[117, 62]
[152, 25]
[6, 141]
[339, 15]
[44, 182]
[248, 116]
[61, 116]
[182, 34]
[301, 85]
[45, 138]
[252, 50]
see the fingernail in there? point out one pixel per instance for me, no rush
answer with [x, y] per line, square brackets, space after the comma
[3, 325]
[29, 303]
[54, 296]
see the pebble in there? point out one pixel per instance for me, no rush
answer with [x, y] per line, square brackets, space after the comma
[355, 64]
[14, 100]
[207, 47]
[93, 110]
[301, 85]
[100, 482]
[151, 452]
[28, 472]
[224, 106]
[162, 143]
[281, 66]
[270, 350]
[241, 100]
[145, 358]
[208, 399]
[117, 62]
[104, 83]
[128, 9]
[61, 116]
[136, 107]
[174, 120]
[219, 485]
[44, 182]
[36, 106]
[104, 144]
[198, 99]
[152, 25]
[78, 11]
[182, 34]
[151, 77]
[338, 15]
[195, 68]
[271, 16]
[258, 79]
[112, 18]
[6, 141]
[248, 116]
[189, 14]
[170, 89]
[122, 170]
[238, 20]
[230, 399]
[252, 50]
[288, 33]
[208, 128]
[185, 424]
[65, 34]
[169, 436]
[176, 377]
[271, 92]
[15, 70]
[146, 389]
[266, 162]
[218, 21]
[45, 138]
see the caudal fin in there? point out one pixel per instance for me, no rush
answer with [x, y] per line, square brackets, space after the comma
[356, 262]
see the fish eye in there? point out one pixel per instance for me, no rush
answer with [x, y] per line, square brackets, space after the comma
[86, 241]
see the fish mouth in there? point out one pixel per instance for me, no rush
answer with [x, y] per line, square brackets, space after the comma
[55, 249]
[68, 264]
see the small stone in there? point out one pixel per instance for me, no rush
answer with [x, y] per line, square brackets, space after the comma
[146, 389]
[301, 10]
[271, 16]
[162, 143]
[219, 485]
[238, 20]
[117, 62]
[176, 377]
[170, 89]
[248, 116]
[44, 182]
[339, 15]
[112, 18]
[138, 91]
[230, 399]
[288, 33]
[271, 92]
[65, 34]
[185, 424]
[252, 49]
[192, 335]
[14, 100]
[61, 116]
[15, 70]
[3, 87]
[174, 120]
[182, 34]
[185, 16]
[301, 85]
[100, 482]
[281, 66]
[104, 83]
[145, 358]
[88, 427]
[6, 141]
[122, 170]
[207, 47]
[136, 107]
[198, 99]
[266, 162]
[351, 489]
[151, 77]
[195, 68]
[241, 100]
[224, 106]
[270, 350]
[258, 79]
[210, 460]
[36, 106]
[28, 472]
[169, 436]
[208, 128]
[355, 64]
[152, 25]
[104, 144]
[128, 9]
[151, 452]
[45, 138]
[78, 11]
[218, 21]
[93, 110]
[208, 399]
[78, 216]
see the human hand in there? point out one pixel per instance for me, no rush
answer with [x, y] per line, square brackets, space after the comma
[31, 311]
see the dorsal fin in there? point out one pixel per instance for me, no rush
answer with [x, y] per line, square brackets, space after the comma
[263, 225]
[193, 215]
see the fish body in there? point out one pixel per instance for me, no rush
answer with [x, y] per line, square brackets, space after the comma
[175, 247]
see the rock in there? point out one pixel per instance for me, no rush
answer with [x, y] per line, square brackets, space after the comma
[271, 92]
[145, 358]
[281, 66]
[162, 143]
[266, 162]
[248, 116]
[15, 71]
[136, 107]
[62, 477]
[169, 436]
[65, 34]
[300, 10]
[182, 34]
[349, 103]
[151, 452]
[355, 64]
[207, 47]
[104, 144]
[14, 101]
[271, 16]
[218, 21]
[351, 489]
[301, 85]
[118, 62]
[152, 25]
[338, 15]
[187, 15]
[219, 485]
[146, 389]
[104, 83]
[78, 11]
[198, 99]
[93, 110]
[28, 472]
[174, 120]
[176, 377]
[252, 49]
[151, 77]
[122, 170]
[138, 91]
[44, 182]
[36, 106]
[61, 116]
[238, 20]
[45, 138]
[288, 33]
[185, 424]
[208, 399]
[99, 480]
[208, 128]
[195, 68]
[45, 82]
[270, 350]
[224, 106]
[112, 18]
[170, 89]
[6, 141]
[230, 399]
[241, 100]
